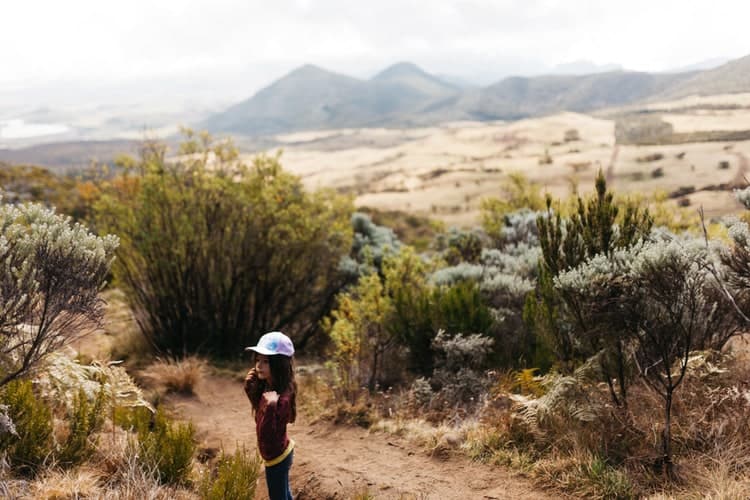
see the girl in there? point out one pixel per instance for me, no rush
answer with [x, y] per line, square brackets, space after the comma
[271, 388]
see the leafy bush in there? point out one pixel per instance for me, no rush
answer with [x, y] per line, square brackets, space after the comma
[165, 448]
[501, 279]
[51, 272]
[234, 478]
[31, 444]
[419, 312]
[69, 194]
[462, 246]
[214, 253]
[370, 245]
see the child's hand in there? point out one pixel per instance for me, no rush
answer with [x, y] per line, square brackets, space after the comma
[250, 379]
[271, 397]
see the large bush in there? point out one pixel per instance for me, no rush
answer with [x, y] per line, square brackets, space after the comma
[502, 275]
[215, 253]
[51, 272]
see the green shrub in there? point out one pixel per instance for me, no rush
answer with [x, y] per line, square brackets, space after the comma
[214, 253]
[170, 447]
[164, 446]
[31, 444]
[234, 477]
[85, 418]
[420, 312]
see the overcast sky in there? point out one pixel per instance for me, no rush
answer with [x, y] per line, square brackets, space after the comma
[241, 45]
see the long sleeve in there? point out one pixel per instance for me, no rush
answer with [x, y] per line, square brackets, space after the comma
[270, 425]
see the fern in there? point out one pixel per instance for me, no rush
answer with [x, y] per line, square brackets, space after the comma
[528, 383]
[565, 396]
[64, 374]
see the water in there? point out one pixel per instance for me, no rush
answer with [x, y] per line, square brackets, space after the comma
[19, 129]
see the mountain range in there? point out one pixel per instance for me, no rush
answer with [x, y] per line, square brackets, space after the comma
[403, 95]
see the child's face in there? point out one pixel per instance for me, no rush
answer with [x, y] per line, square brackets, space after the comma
[263, 367]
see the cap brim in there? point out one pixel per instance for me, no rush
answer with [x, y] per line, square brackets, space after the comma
[260, 350]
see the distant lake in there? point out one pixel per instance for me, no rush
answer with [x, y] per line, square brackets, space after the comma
[19, 129]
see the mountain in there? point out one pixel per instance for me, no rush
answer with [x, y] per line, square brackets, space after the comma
[515, 98]
[303, 99]
[410, 76]
[729, 78]
[712, 63]
[405, 95]
[313, 98]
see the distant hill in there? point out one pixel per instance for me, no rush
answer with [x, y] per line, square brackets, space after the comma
[403, 94]
[516, 97]
[729, 78]
[313, 98]
[70, 155]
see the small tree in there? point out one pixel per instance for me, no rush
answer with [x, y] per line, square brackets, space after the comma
[596, 228]
[661, 300]
[51, 272]
[368, 323]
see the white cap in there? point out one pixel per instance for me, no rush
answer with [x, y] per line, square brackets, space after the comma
[273, 343]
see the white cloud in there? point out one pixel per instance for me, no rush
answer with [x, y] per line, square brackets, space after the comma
[101, 41]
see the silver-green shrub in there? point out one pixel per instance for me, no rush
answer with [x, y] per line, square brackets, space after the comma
[51, 272]
[505, 274]
[371, 243]
[659, 300]
[459, 378]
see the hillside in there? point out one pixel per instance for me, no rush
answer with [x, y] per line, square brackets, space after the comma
[70, 154]
[516, 98]
[730, 78]
[311, 98]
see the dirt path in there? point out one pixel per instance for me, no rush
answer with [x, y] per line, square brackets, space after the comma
[336, 462]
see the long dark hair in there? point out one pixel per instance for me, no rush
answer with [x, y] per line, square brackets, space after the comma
[282, 374]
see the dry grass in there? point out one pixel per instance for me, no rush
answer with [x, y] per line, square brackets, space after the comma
[616, 455]
[584, 475]
[114, 472]
[77, 483]
[315, 388]
[177, 376]
[438, 441]
[132, 481]
[472, 159]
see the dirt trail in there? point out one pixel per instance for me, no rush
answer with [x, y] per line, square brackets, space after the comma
[336, 462]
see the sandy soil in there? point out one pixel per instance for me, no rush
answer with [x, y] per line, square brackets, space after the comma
[445, 171]
[335, 462]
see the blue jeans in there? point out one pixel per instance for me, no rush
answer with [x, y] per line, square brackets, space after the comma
[277, 479]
